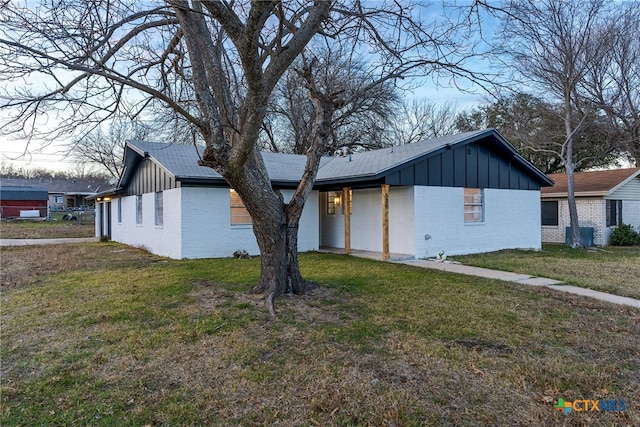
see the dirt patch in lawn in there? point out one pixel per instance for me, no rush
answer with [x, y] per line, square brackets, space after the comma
[20, 266]
[17, 229]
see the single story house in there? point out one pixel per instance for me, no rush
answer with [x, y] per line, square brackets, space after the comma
[604, 199]
[459, 194]
[23, 202]
[64, 193]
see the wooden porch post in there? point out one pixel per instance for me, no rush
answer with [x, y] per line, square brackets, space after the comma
[385, 222]
[346, 203]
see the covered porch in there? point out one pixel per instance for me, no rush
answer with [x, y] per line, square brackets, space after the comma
[358, 221]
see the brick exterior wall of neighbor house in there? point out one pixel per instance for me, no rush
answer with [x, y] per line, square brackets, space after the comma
[197, 224]
[591, 213]
[511, 221]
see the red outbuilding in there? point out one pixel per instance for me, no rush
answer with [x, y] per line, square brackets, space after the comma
[23, 202]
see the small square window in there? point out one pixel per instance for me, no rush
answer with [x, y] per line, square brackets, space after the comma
[473, 205]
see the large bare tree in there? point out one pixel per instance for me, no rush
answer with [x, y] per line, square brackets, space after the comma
[551, 43]
[367, 103]
[215, 64]
[105, 148]
[613, 83]
[420, 119]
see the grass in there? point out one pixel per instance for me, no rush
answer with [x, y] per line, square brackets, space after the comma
[116, 336]
[55, 228]
[615, 270]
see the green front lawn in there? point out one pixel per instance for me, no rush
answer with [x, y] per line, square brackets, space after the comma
[615, 270]
[115, 336]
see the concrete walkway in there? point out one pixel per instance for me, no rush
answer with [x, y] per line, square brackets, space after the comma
[30, 242]
[523, 279]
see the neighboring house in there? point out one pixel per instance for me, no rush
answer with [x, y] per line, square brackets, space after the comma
[604, 199]
[64, 193]
[23, 202]
[459, 194]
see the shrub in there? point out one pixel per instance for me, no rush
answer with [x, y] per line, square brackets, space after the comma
[625, 235]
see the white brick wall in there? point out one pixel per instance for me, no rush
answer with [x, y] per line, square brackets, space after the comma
[401, 220]
[196, 224]
[161, 240]
[511, 220]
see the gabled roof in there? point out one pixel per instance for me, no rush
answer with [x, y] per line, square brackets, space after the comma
[181, 161]
[11, 192]
[70, 186]
[376, 163]
[595, 183]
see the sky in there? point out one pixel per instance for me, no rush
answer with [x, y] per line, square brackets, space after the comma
[35, 154]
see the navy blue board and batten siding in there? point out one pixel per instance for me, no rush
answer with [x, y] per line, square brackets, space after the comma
[473, 166]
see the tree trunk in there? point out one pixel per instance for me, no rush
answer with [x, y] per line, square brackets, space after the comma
[296, 284]
[271, 236]
[575, 238]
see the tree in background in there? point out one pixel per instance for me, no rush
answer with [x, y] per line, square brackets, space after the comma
[536, 128]
[106, 149]
[552, 45]
[421, 119]
[365, 104]
[613, 83]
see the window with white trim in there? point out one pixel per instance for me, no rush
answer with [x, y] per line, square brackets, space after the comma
[119, 211]
[239, 213]
[473, 205]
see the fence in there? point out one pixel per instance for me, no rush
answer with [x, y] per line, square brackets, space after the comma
[10, 210]
[82, 215]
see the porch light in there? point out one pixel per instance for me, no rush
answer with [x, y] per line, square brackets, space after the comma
[336, 199]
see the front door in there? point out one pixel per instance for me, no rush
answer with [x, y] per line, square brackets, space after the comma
[108, 218]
